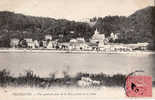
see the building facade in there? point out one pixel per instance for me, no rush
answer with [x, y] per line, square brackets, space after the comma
[14, 43]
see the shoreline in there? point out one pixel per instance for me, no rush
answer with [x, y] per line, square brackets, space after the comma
[11, 50]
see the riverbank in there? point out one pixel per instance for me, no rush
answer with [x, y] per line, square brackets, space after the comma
[7, 50]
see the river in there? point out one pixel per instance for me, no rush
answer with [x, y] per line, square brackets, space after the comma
[45, 63]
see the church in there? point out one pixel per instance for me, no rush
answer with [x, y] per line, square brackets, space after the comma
[97, 37]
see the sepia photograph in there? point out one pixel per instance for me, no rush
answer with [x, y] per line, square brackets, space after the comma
[77, 49]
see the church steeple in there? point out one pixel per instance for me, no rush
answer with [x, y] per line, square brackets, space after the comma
[97, 36]
[96, 31]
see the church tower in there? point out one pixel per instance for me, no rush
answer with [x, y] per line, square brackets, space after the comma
[96, 31]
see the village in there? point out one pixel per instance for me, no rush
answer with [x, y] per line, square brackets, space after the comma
[98, 42]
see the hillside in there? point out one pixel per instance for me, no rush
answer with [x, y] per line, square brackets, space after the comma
[141, 23]
[138, 27]
[14, 25]
[134, 28]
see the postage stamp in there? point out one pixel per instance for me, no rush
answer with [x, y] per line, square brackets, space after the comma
[139, 86]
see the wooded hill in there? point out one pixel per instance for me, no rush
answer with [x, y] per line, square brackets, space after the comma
[138, 27]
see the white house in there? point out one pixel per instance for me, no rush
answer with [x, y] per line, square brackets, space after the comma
[80, 40]
[101, 44]
[44, 43]
[78, 44]
[14, 42]
[73, 40]
[36, 43]
[29, 42]
[50, 45]
[113, 36]
[48, 37]
[73, 43]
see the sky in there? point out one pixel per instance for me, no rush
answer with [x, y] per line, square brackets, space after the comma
[74, 9]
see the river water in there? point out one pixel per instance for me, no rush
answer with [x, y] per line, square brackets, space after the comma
[45, 63]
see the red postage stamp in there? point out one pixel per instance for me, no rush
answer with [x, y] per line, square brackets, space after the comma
[139, 86]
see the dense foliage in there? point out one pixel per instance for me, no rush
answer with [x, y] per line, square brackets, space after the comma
[31, 79]
[134, 28]
[138, 27]
[20, 26]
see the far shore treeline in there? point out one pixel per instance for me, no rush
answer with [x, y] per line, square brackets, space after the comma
[138, 27]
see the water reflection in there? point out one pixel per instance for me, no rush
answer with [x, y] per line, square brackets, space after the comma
[45, 63]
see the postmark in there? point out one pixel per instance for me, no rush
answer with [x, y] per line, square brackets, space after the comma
[139, 86]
